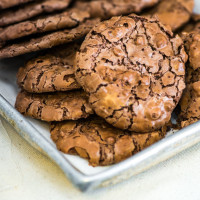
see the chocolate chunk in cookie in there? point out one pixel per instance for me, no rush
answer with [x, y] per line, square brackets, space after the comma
[174, 13]
[54, 107]
[133, 70]
[67, 19]
[48, 40]
[10, 3]
[109, 8]
[99, 142]
[30, 10]
[190, 102]
[51, 72]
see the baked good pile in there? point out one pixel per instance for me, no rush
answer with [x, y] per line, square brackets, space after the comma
[107, 74]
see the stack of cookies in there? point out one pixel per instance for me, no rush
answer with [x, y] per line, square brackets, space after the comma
[50, 92]
[110, 94]
[30, 25]
[40, 25]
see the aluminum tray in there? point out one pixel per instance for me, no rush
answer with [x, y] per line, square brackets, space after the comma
[76, 169]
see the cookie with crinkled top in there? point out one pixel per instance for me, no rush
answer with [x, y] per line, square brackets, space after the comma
[57, 106]
[174, 13]
[51, 72]
[99, 142]
[30, 10]
[109, 8]
[133, 70]
[48, 40]
[190, 101]
[67, 19]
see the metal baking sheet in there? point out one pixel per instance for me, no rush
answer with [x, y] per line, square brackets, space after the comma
[77, 169]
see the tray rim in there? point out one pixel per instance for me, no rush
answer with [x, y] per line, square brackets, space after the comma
[151, 156]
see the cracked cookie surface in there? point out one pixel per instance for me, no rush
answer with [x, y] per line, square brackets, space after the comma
[174, 13]
[30, 10]
[99, 142]
[68, 19]
[190, 101]
[48, 40]
[133, 69]
[51, 72]
[55, 106]
[109, 8]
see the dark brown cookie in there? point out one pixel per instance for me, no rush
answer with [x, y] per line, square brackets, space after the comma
[109, 8]
[174, 13]
[190, 102]
[99, 142]
[10, 3]
[51, 72]
[48, 40]
[133, 69]
[197, 28]
[55, 106]
[30, 10]
[190, 27]
[187, 28]
[196, 17]
[66, 19]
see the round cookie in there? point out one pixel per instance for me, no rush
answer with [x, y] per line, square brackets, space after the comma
[54, 107]
[190, 101]
[51, 72]
[30, 10]
[48, 40]
[99, 142]
[67, 19]
[133, 69]
[174, 13]
[109, 8]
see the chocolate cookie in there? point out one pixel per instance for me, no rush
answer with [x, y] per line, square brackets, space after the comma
[99, 142]
[197, 28]
[10, 3]
[48, 40]
[133, 69]
[54, 107]
[109, 8]
[187, 28]
[174, 13]
[190, 28]
[196, 17]
[190, 109]
[67, 19]
[30, 10]
[51, 72]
